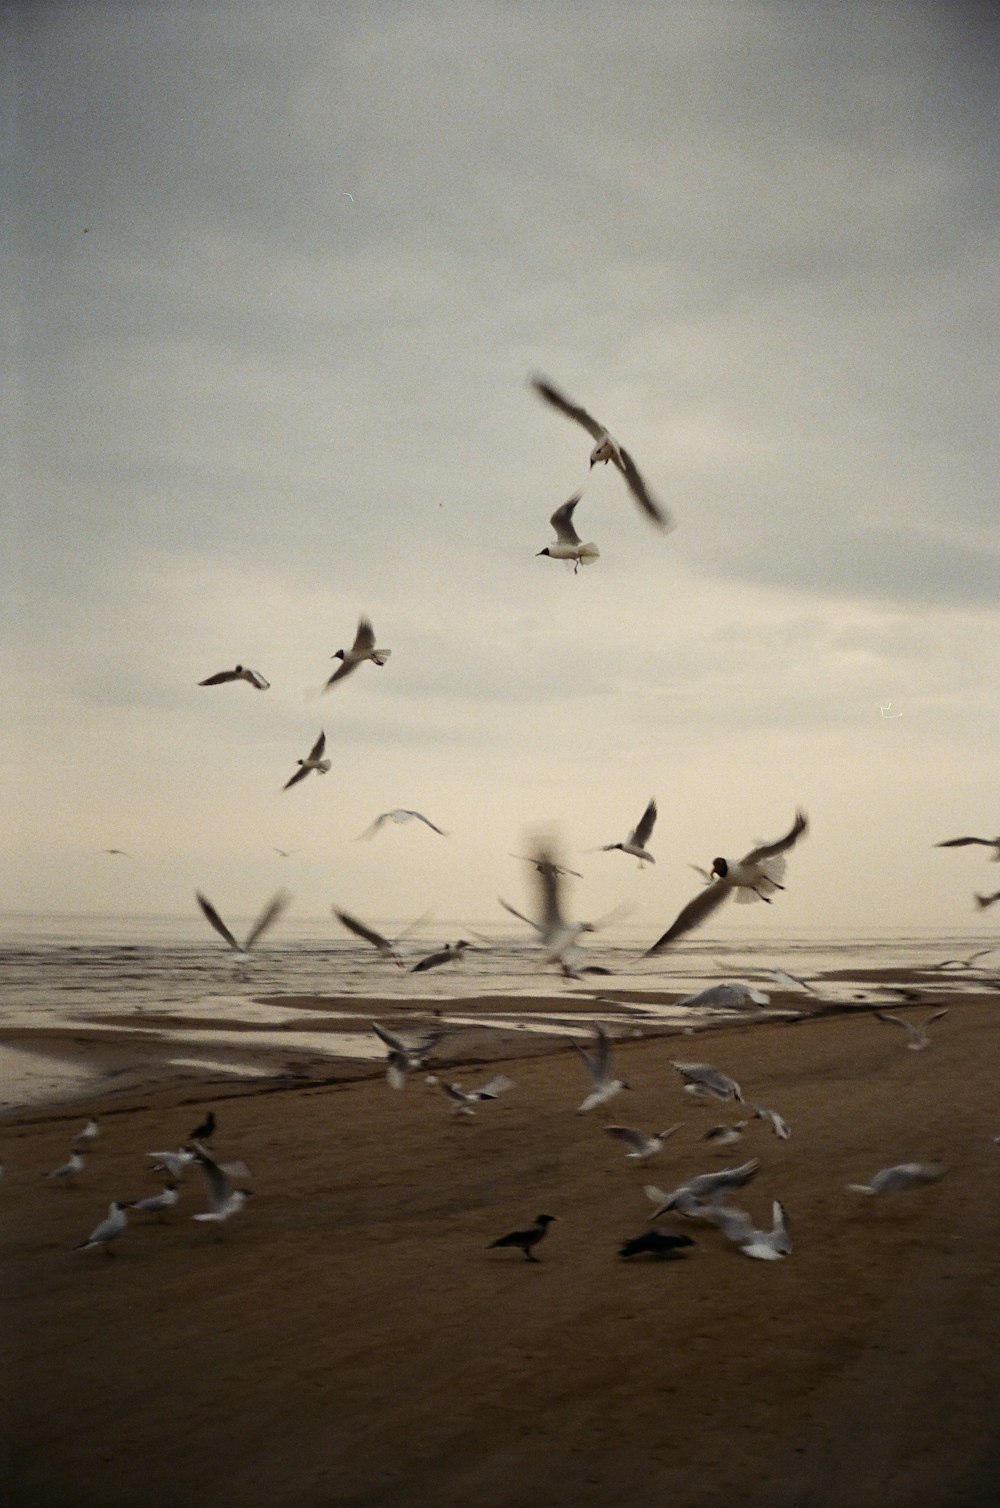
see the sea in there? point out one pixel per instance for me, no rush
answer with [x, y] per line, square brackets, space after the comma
[99, 973]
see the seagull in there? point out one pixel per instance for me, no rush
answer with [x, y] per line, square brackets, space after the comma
[526, 1239]
[643, 1147]
[203, 1131]
[635, 843]
[918, 1038]
[993, 843]
[546, 866]
[766, 1246]
[605, 449]
[285, 853]
[777, 1123]
[313, 761]
[752, 877]
[404, 1056]
[569, 545]
[725, 1136]
[964, 963]
[886, 711]
[905, 1175]
[156, 1204]
[385, 946]
[175, 1164]
[88, 1135]
[730, 997]
[598, 1066]
[450, 953]
[108, 1229]
[657, 1243]
[252, 678]
[703, 1079]
[120, 852]
[67, 1173]
[706, 1188]
[558, 937]
[462, 1100]
[982, 901]
[362, 649]
[399, 814]
[791, 981]
[226, 1201]
[267, 917]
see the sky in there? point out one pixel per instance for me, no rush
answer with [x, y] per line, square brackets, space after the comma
[277, 279]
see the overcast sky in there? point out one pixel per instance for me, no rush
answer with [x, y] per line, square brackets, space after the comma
[277, 278]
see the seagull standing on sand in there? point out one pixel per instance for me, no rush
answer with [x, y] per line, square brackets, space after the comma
[904, 1175]
[313, 761]
[703, 1079]
[605, 449]
[88, 1135]
[399, 814]
[157, 1204]
[643, 1147]
[635, 843]
[252, 678]
[267, 918]
[528, 1239]
[362, 649]
[598, 1066]
[108, 1230]
[918, 1038]
[67, 1173]
[752, 878]
[569, 545]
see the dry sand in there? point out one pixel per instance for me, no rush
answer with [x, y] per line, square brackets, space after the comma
[350, 1340]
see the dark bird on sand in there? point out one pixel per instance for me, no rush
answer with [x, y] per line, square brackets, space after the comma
[657, 1243]
[526, 1239]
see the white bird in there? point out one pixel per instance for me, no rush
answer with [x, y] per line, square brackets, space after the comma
[791, 981]
[703, 1079]
[993, 843]
[174, 1163]
[450, 953]
[643, 1147]
[706, 1188]
[598, 1066]
[156, 1204]
[904, 1175]
[463, 1100]
[399, 814]
[385, 946]
[918, 1038]
[267, 918]
[887, 711]
[252, 678]
[107, 1231]
[226, 1201]
[752, 878]
[733, 996]
[67, 1173]
[606, 448]
[635, 843]
[362, 649]
[725, 1136]
[778, 1124]
[404, 1056]
[569, 545]
[766, 1246]
[313, 761]
[88, 1135]
[558, 937]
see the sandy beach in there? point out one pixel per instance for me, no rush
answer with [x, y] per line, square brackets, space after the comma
[349, 1339]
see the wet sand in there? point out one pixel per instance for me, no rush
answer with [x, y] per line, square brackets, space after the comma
[349, 1340]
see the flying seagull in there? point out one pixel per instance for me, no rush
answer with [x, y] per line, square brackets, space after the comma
[993, 843]
[558, 937]
[175, 1164]
[463, 1100]
[404, 1055]
[725, 1136]
[605, 449]
[362, 649]
[703, 1079]
[732, 996]
[905, 1175]
[385, 946]
[635, 843]
[117, 852]
[225, 1200]
[569, 545]
[752, 877]
[766, 1245]
[706, 1188]
[544, 866]
[777, 1123]
[107, 1231]
[982, 901]
[526, 1239]
[643, 1147]
[313, 761]
[267, 917]
[917, 1034]
[598, 1066]
[450, 953]
[399, 814]
[252, 678]
[657, 1243]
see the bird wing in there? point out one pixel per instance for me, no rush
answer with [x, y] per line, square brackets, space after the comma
[316, 752]
[936, 1015]
[219, 678]
[360, 930]
[431, 961]
[768, 850]
[219, 1187]
[256, 679]
[693, 914]
[547, 881]
[395, 1043]
[520, 916]
[493, 1087]
[639, 490]
[562, 521]
[571, 410]
[640, 836]
[275, 906]
[426, 820]
[215, 920]
[951, 843]
[635, 1139]
[340, 672]
[300, 774]
[373, 827]
[365, 636]
[895, 1021]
